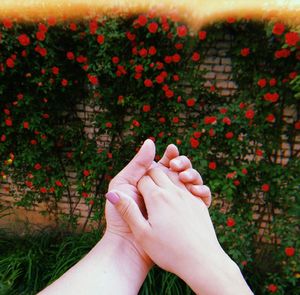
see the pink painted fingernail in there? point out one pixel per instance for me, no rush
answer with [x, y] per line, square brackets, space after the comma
[112, 197]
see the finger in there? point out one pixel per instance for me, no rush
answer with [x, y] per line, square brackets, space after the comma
[170, 153]
[148, 188]
[139, 165]
[129, 211]
[201, 191]
[180, 163]
[160, 178]
[190, 176]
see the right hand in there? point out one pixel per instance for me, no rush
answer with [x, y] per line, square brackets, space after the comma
[179, 235]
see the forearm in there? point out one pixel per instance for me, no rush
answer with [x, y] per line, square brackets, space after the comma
[111, 267]
[222, 277]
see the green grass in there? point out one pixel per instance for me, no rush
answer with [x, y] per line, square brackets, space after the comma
[29, 263]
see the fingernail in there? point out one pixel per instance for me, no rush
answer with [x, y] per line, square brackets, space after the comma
[112, 197]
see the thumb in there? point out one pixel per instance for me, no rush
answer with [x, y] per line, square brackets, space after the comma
[129, 211]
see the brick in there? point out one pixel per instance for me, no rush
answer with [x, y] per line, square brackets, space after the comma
[225, 92]
[222, 84]
[227, 69]
[218, 68]
[205, 67]
[212, 60]
[232, 85]
[223, 45]
[222, 76]
[225, 61]
[209, 76]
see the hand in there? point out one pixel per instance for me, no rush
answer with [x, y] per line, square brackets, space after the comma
[179, 236]
[179, 168]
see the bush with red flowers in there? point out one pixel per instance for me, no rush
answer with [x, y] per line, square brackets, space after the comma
[143, 74]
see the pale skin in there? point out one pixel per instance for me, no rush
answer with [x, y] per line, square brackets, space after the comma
[118, 264]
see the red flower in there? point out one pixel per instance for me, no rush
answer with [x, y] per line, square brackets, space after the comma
[244, 171]
[245, 51]
[259, 153]
[55, 70]
[108, 124]
[249, 114]
[272, 97]
[178, 46]
[3, 138]
[7, 23]
[143, 52]
[176, 78]
[130, 36]
[93, 26]
[64, 82]
[176, 58]
[231, 20]
[182, 31]
[210, 120]
[146, 108]
[51, 21]
[162, 120]
[282, 53]
[24, 40]
[272, 82]
[230, 222]
[86, 172]
[289, 251]
[115, 60]
[142, 20]
[70, 55]
[136, 123]
[265, 187]
[73, 27]
[195, 56]
[191, 102]
[25, 125]
[40, 36]
[212, 165]
[58, 183]
[297, 125]
[148, 83]
[152, 50]
[202, 35]
[153, 27]
[223, 110]
[194, 142]
[160, 79]
[37, 166]
[8, 122]
[262, 83]
[229, 135]
[270, 118]
[226, 121]
[278, 29]
[197, 134]
[42, 28]
[33, 142]
[292, 75]
[292, 38]
[272, 288]
[93, 79]
[85, 195]
[169, 93]
[175, 120]
[10, 63]
[43, 190]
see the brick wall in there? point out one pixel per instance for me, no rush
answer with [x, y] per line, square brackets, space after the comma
[218, 75]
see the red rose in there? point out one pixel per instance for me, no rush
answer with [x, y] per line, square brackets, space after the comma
[282, 53]
[292, 75]
[55, 70]
[81, 59]
[202, 35]
[168, 59]
[25, 125]
[93, 26]
[115, 60]
[272, 82]
[230, 222]
[178, 46]
[139, 68]
[58, 183]
[130, 36]
[33, 142]
[272, 288]
[249, 114]
[108, 124]
[265, 187]
[159, 65]
[10, 63]
[191, 102]
[210, 120]
[182, 31]
[37, 166]
[175, 120]
[212, 165]
[289, 251]
[278, 29]
[159, 79]
[194, 142]
[7, 23]
[229, 135]
[169, 93]
[42, 28]
[259, 153]
[292, 38]
[8, 122]
[231, 20]
[100, 39]
[24, 40]
[51, 21]
[223, 110]
[3, 138]
[197, 134]
[40, 36]
[148, 83]
[152, 50]
[143, 52]
[176, 78]
[86, 172]
[195, 56]
[146, 108]
[244, 171]
[70, 55]
[297, 125]
[93, 79]
[226, 121]
[176, 58]
[73, 27]
[270, 118]
[85, 195]
[64, 82]
[136, 123]
[153, 27]
[245, 52]
[262, 83]
[43, 190]
[142, 20]
[272, 97]
[162, 120]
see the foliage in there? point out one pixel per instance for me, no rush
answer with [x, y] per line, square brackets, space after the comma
[143, 76]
